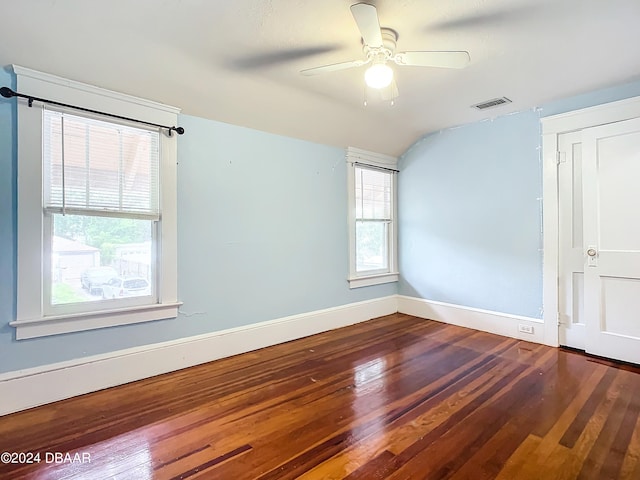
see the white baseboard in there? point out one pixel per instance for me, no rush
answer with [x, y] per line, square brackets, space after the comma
[36, 386]
[485, 320]
[31, 387]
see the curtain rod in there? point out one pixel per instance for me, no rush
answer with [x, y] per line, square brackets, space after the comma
[375, 166]
[8, 93]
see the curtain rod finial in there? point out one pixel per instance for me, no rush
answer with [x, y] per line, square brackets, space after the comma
[178, 130]
[6, 92]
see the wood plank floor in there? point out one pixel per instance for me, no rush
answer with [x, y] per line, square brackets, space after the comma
[394, 398]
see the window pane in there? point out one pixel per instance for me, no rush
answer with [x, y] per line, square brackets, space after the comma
[91, 164]
[371, 246]
[373, 194]
[100, 257]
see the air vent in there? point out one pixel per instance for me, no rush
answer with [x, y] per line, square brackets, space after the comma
[491, 103]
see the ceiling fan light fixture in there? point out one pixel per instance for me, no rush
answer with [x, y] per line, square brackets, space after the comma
[378, 75]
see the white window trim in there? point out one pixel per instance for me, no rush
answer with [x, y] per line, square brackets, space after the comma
[31, 320]
[372, 159]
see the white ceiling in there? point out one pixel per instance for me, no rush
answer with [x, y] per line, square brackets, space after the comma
[238, 61]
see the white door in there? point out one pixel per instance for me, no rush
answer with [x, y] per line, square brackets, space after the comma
[571, 253]
[611, 243]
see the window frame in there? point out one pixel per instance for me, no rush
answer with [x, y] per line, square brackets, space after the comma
[375, 161]
[33, 317]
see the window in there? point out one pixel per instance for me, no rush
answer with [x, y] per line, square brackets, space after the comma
[96, 210]
[100, 196]
[372, 230]
[373, 217]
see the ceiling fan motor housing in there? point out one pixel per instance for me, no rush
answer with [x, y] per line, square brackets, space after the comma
[388, 48]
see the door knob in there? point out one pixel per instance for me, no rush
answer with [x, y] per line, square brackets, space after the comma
[592, 256]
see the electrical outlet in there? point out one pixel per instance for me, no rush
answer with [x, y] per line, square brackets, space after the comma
[525, 328]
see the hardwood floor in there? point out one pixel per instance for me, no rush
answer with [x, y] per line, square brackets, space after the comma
[394, 398]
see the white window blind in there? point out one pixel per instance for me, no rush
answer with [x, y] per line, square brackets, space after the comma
[373, 194]
[99, 168]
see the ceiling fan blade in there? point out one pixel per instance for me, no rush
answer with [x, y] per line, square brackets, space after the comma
[488, 18]
[333, 67]
[268, 59]
[433, 59]
[366, 17]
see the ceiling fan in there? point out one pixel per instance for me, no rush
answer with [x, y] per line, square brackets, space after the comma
[379, 45]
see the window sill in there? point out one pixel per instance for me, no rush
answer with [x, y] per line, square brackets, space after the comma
[55, 325]
[367, 281]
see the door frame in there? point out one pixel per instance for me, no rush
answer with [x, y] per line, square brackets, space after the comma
[552, 127]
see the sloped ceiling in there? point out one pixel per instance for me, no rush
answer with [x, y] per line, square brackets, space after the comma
[239, 61]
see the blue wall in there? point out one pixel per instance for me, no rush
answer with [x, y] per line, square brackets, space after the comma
[469, 210]
[262, 234]
[469, 218]
[262, 227]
